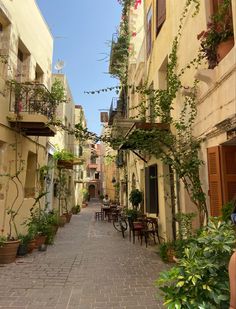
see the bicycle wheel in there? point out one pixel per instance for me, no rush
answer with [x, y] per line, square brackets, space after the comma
[123, 224]
[117, 226]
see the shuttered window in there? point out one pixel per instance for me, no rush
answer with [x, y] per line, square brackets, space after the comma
[160, 14]
[149, 31]
[151, 189]
[214, 176]
[228, 163]
[215, 6]
[222, 176]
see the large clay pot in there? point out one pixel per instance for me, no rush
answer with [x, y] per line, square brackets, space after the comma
[40, 240]
[223, 48]
[62, 220]
[31, 245]
[68, 216]
[8, 251]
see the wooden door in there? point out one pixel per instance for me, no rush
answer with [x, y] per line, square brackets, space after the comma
[92, 191]
[228, 170]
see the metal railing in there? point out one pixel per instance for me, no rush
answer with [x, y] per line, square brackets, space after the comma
[31, 98]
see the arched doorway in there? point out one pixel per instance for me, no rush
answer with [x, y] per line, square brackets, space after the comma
[92, 191]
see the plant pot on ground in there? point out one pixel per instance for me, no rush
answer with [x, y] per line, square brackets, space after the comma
[31, 245]
[68, 216]
[24, 243]
[8, 250]
[62, 221]
[75, 209]
[40, 240]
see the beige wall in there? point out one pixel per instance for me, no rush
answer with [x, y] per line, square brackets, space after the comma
[216, 91]
[21, 20]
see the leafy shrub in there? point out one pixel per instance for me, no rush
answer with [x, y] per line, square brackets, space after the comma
[227, 210]
[200, 279]
[132, 213]
[135, 197]
[177, 246]
[75, 209]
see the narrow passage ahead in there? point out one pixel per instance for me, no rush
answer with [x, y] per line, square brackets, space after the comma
[90, 266]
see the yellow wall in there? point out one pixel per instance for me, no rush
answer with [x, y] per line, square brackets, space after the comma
[216, 98]
[23, 21]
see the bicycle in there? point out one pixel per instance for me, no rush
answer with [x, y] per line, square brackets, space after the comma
[120, 223]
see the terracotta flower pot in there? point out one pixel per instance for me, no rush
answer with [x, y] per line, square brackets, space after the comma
[62, 220]
[40, 240]
[68, 216]
[171, 255]
[8, 251]
[224, 48]
[31, 245]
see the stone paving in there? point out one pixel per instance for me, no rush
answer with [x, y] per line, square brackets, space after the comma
[90, 266]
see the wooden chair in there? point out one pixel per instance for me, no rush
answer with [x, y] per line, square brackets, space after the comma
[135, 227]
[150, 230]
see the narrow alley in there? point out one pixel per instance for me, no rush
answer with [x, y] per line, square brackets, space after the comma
[89, 266]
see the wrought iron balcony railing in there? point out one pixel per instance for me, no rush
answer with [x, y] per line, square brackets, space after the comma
[31, 98]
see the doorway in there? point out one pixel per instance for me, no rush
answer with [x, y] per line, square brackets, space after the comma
[92, 191]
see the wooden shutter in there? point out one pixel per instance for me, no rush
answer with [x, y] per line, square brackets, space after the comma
[214, 176]
[147, 190]
[215, 5]
[149, 31]
[153, 184]
[228, 163]
[160, 14]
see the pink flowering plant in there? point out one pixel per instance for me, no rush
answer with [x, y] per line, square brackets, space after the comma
[219, 29]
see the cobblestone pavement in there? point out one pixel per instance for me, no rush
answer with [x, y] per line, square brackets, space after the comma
[90, 266]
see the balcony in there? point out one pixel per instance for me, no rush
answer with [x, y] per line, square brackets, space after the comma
[31, 109]
[113, 110]
[92, 166]
[69, 164]
[131, 138]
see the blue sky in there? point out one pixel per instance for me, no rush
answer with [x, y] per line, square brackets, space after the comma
[82, 31]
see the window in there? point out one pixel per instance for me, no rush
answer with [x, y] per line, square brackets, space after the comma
[30, 175]
[151, 105]
[151, 189]
[160, 14]
[20, 55]
[1, 27]
[96, 175]
[149, 31]
[93, 159]
[133, 184]
[38, 74]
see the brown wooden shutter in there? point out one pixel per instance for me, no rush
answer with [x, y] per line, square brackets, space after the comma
[147, 190]
[215, 5]
[160, 14]
[214, 176]
[228, 163]
[149, 31]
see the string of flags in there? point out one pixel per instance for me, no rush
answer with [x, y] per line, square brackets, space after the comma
[117, 88]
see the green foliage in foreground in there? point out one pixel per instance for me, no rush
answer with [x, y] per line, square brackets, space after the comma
[200, 278]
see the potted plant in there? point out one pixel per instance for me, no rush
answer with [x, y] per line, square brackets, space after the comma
[24, 242]
[75, 209]
[135, 197]
[218, 39]
[132, 213]
[8, 249]
[85, 194]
